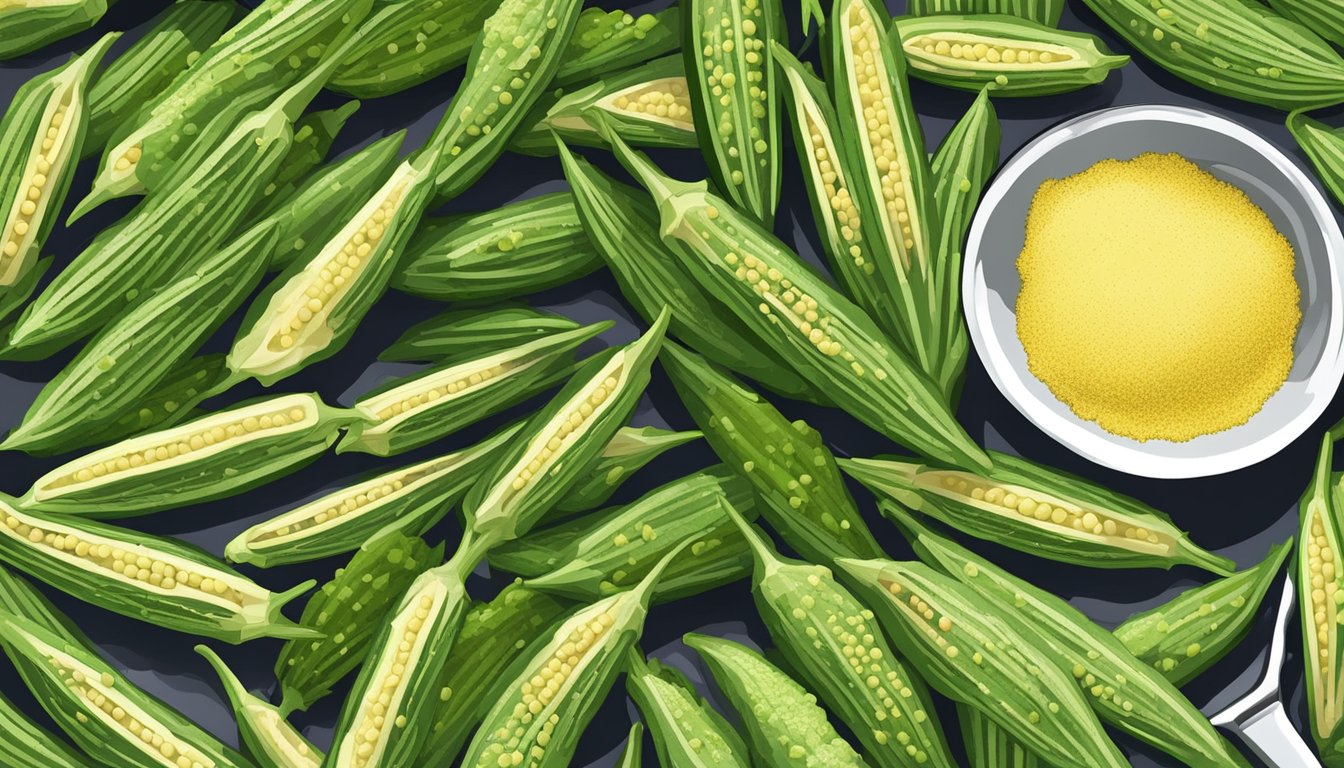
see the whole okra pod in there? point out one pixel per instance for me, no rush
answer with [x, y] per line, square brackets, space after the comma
[461, 334]
[25, 26]
[1045, 12]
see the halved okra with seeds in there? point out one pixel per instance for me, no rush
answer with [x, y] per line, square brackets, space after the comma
[172, 400]
[347, 611]
[784, 724]
[25, 744]
[731, 73]
[464, 333]
[610, 41]
[309, 312]
[551, 699]
[261, 726]
[497, 638]
[631, 755]
[156, 580]
[102, 711]
[963, 647]
[175, 40]
[27, 25]
[649, 106]
[218, 455]
[522, 247]
[623, 225]
[1184, 636]
[411, 412]
[802, 493]
[411, 498]
[892, 183]
[836, 647]
[41, 136]
[512, 63]
[1324, 17]
[1036, 509]
[628, 452]
[685, 728]
[287, 38]
[1045, 12]
[786, 304]
[600, 554]
[1324, 147]
[132, 355]
[1009, 55]
[1124, 692]
[1320, 589]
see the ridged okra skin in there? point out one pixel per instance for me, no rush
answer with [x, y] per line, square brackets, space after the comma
[261, 726]
[686, 730]
[1045, 12]
[26, 26]
[628, 452]
[100, 709]
[41, 135]
[171, 401]
[1320, 591]
[988, 745]
[460, 334]
[632, 754]
[784, 724]
[1323, 17]
[175, 40]
[24, 744]
[424, 39]
[1324, 147]
[611, 41]
[314, 133]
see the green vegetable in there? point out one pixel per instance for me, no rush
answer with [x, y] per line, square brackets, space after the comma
[41, 135]
[1125, 692]
[1319, 580]
[542, 722]
[603, 553]
[24, 744]
[623, 225]
[731, 73]
[347, 611]
[175, 40]
[170, 401]
[27, 25]
[792, 471]
[100, 709]
[1011, 56]
[217, 455]
[523, 247]
[462, 334]
[820, 333]
[314, 133]
[833, 643]
[1324, 147]
[1324, 17]
[964, 647]
[1045, 12]
[610, 41]
[989, 746]
[261, 726]
[411, 499]
[1036, 509]
[783, 722]
[497, 638]
[21, 598]
[410, 412]
[1236, 48]
[628, 452]
[132, 355]
[685, 729]
[634, 745]
[16, 297]
[155, 580]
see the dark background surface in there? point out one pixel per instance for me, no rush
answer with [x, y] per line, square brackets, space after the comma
[1239, 515]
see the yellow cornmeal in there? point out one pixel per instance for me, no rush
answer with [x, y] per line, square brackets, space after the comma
[1156, 301]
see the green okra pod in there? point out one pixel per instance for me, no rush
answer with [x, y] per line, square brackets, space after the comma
[41, 136]
[989, 746]
[802, 493]
[1039, 510]
[1324, 147]
[217, 455]
[414, 411]
[522, 247]
[784, 724]
[1323, 17]
[462, 334]
[1045, 12]
[27, 25]
[628, 452]
[611, 41]
[171, 401]
[346, 613]
[314, 133]
[1320, 591]
[25, 744]
[631, 755]
[685, 728]
[16, 296]
[261, 726]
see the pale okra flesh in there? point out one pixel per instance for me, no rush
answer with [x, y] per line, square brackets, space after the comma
[685, 728]
[347, 611]
[1125, 692]
[787, 304]
[261, 726]
[1045, 12]
[412, 499]
[963, 647]
[41, 135]
[785, 726]
[102, 711]
[623, 225]
[629, 451]
[1320, 589]
[1010, 56]
[1038, 510]
[461, 334]
[611, 41]
[411, 412]
[522, 247]
[218, 455]
[834, 644]
[26, 26]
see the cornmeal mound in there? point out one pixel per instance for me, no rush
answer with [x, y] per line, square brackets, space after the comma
[1156, 301]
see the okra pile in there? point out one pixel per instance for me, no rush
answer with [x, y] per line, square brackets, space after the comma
[296, 370]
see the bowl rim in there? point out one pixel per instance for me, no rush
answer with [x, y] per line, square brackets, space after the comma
[1068, 429]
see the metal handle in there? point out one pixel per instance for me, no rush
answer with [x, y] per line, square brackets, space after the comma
[1272, 737]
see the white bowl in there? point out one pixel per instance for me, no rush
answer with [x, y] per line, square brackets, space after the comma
[1230, 152]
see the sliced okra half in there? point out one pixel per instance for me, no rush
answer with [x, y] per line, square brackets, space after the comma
[686, 730]
[262, 728]
[1320, 590]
